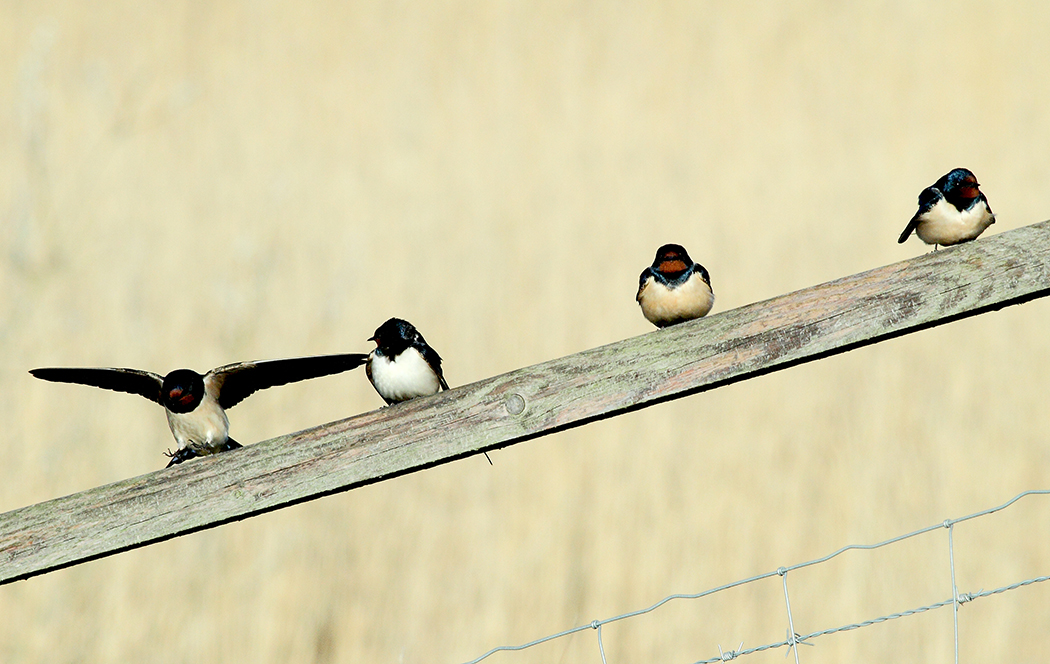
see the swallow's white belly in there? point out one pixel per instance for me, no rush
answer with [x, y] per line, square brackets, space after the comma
[405, 377]
[204, 430]
[665, 306]
[945, 225]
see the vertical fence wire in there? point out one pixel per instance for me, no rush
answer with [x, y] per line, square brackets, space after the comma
[955, 588]
[792, 635]
[601, 648]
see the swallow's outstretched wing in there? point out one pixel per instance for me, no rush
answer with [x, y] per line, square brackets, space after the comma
[235, 382]
[132, 381]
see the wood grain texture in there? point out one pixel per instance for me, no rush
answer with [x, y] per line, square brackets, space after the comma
[929, 290]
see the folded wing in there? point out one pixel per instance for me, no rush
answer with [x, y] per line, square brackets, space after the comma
[927, 199]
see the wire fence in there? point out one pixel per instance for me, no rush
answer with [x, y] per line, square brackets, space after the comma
[794, 639]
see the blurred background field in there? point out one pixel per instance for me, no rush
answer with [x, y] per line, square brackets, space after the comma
[188, 184]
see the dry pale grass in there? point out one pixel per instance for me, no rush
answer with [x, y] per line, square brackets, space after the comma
[190, 184]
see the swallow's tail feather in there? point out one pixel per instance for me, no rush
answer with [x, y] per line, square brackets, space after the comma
[908, 229]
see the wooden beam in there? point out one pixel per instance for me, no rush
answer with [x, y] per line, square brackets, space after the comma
[929, 290]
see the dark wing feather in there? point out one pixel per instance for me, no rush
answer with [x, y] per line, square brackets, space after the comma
[927, 199]
[982, 197]
[133, 381]
[434, 360]
[704, 275]
[235, 382]
[646, 273]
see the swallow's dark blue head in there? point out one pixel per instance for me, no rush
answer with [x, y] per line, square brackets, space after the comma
[672, 260]
[960, 188]
[396, 335]
[182, 391]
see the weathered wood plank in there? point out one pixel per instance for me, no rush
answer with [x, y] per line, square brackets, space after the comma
[932, 289]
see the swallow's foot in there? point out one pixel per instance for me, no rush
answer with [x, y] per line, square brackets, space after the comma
[178, 456]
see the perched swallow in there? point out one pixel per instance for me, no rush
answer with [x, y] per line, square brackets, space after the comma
[953, 210]
[674, 288]
[403, 366]
[195, 404]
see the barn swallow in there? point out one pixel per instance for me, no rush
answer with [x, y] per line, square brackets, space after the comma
[674, 288]
[403, 365]
[195, 404]
[953, 210]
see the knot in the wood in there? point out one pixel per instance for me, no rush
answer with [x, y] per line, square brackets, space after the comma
[515, 404]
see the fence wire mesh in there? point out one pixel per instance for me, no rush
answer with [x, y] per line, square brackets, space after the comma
[793, 639]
